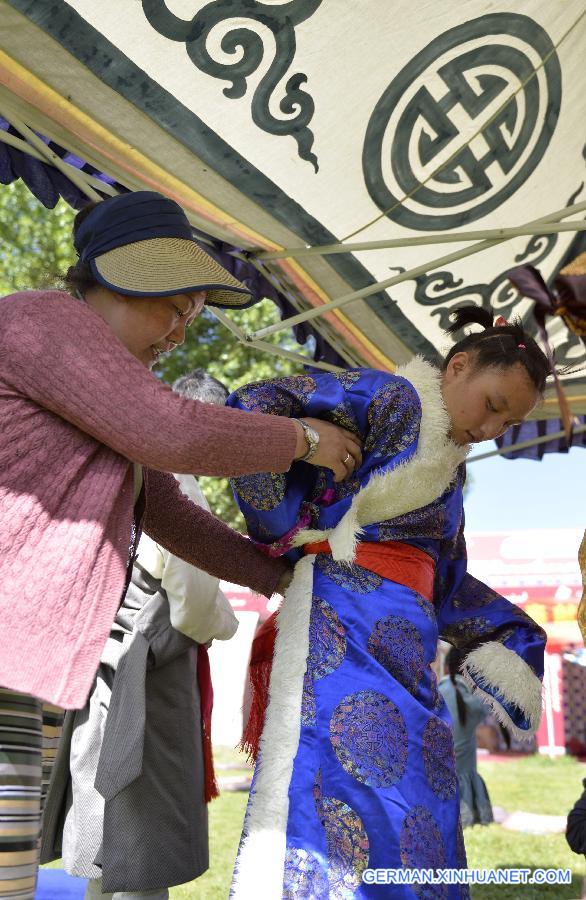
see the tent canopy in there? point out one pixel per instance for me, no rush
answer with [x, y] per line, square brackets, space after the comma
[294, 126]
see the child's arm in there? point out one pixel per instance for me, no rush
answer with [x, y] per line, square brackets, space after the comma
[504, 665]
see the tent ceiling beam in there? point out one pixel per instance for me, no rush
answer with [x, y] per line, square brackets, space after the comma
[32, 145]
[500, 234]
[407, 275]
[322, 328]
[524, 445]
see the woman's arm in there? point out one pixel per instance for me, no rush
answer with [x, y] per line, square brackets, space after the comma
[59, 353]
[199, 538]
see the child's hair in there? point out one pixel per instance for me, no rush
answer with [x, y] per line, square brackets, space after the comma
[499, 346]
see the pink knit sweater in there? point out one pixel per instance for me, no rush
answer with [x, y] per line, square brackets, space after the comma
[76, 409]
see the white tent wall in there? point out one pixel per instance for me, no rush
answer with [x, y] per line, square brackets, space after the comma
[335, 122]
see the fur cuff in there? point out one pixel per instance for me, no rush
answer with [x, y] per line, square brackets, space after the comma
[494, 666]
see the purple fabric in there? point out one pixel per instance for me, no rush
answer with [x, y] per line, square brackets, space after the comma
[529, 282]
[44, 181]
[530, 430]
[566, 298]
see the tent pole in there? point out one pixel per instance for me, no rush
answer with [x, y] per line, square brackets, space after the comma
[407, 275]
[503, 234]
[524, 445]
[273, 349]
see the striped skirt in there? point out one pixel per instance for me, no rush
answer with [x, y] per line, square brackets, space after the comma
[28, 736]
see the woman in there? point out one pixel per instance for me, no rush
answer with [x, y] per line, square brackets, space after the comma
[110, 789]
[80, 418]
[466, 712]
[356, 763]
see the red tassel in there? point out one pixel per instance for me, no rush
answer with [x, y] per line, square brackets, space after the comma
[206, 698]
[259, 673]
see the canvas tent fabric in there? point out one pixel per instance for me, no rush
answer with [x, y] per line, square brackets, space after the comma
[315, 122]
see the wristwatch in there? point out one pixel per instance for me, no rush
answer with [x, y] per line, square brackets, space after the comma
[312, 438]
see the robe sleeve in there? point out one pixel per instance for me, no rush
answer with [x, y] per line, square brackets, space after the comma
[504, 662]
[382, 409]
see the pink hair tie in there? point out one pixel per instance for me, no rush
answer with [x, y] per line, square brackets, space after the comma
[521, 347]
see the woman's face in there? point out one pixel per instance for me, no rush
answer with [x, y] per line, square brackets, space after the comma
[482, 403]
[147, 326]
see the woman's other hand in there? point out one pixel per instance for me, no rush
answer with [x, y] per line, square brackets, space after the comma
[339, 450]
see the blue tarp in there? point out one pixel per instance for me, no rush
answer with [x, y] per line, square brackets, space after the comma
[55, 884]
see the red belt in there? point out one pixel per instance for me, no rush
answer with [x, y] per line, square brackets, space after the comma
[393, 560]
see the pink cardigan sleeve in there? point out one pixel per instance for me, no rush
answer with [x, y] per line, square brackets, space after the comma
[59, 353]
[195, 535]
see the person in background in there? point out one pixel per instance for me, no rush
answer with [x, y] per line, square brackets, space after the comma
[151, 832]
[576, 827]
[467, 711]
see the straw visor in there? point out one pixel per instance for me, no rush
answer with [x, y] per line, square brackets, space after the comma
[162, 266]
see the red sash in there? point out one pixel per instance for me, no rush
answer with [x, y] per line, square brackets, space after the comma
[392, 560]
[206, 699]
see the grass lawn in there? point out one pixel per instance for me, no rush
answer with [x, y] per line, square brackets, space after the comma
[532, 784]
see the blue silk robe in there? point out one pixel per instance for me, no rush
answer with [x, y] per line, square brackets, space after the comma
[371, 782]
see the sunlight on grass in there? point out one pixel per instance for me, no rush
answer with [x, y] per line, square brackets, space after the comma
[532, 784]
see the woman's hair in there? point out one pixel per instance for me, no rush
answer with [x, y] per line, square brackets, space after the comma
[454, 660]
[499, 346]
[199, 385]
[79, 276]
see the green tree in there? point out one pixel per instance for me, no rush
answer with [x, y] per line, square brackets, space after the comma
[36, 251]
[212, 347]
[35, 243]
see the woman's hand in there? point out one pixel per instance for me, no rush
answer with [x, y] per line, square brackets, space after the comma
[338, 450]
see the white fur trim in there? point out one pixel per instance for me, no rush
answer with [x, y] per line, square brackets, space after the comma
[261, 858]
[344, 537]
[412, 485]
[494, 665]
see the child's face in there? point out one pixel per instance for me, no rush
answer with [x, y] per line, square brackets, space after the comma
[484, 402]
